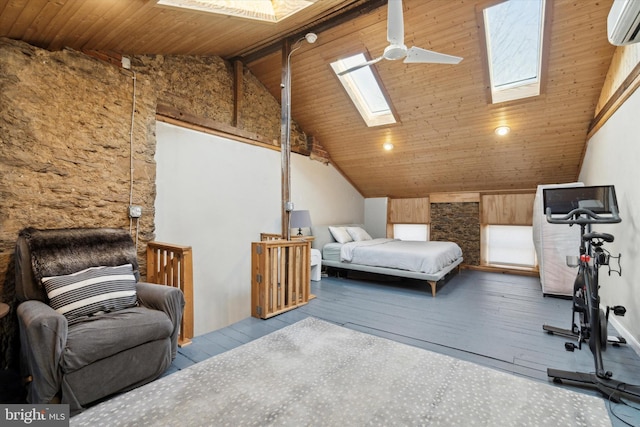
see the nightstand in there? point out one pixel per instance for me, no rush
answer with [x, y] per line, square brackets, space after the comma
[316, 264]
[316, 258]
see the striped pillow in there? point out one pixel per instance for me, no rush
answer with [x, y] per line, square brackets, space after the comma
[92, 291]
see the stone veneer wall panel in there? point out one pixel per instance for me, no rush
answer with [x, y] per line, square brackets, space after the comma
[200, 86]
[204, 87]
[65, 121]
[460, 223]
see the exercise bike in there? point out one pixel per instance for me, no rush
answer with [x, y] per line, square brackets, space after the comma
[585, 206]
[591, 251]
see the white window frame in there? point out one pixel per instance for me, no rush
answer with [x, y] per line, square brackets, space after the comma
[413, 232]
[356, 83]
[272, 11]
[492, 260]
[517, 89]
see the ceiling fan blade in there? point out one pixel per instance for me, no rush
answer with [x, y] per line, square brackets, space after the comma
[364, 64]
[395, 22]
[419, 55]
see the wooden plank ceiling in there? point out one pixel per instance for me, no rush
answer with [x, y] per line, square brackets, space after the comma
[444, 141]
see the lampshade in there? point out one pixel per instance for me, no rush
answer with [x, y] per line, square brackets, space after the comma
[300, 219]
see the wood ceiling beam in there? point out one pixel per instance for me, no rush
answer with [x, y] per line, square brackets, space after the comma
[334, 18]
[238, 72]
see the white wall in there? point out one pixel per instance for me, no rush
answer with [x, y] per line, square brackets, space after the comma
[375, 216]
[322, 190]
[613, 157]
[218, 195]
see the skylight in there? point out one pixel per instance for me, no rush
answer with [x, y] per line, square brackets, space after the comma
[514, 32]
[262, 10]
[364, 90]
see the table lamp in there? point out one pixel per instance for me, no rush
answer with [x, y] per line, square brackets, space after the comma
[300, 220]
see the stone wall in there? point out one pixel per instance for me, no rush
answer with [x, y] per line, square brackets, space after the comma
[66, 139]
[460, 223]
[204, 87]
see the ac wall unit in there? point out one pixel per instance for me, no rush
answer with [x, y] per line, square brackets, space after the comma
[623, 23]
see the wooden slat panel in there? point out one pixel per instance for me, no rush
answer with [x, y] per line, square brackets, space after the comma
[281, 276]
[507, 209]
[172, 265]
[454, 197]
[274, 284]
[140, 26]
[440, 157]
[409, 211]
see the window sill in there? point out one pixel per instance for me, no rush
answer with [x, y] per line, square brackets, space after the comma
[507, 269]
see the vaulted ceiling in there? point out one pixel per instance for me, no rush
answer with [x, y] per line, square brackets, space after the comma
[444, 141]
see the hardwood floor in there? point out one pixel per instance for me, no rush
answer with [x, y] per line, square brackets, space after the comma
[491, 319]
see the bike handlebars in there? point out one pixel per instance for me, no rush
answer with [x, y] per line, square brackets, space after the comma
[590, 217]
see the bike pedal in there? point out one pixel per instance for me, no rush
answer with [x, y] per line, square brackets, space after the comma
[619, 310]
[569, 346]
[617, 341]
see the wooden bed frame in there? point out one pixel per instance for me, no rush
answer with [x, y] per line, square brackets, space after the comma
[432, 279]
[322, 236]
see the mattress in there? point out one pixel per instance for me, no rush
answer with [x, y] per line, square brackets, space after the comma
[331, 251]
[424, 257]
[393, 259]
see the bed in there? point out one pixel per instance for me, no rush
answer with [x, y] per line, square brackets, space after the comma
[350, 247]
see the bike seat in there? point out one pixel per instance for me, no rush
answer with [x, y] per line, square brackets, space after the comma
[595, 235]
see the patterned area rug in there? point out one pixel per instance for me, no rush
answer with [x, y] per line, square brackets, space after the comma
[314, 373]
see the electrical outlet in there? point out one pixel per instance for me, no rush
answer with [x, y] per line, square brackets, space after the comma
[135, 211]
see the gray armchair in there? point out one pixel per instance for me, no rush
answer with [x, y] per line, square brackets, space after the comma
[80, 360]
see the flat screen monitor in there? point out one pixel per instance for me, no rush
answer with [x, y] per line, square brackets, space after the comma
[599, 199]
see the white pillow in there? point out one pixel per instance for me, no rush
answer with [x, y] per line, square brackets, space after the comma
[358, 234]
[340, 234]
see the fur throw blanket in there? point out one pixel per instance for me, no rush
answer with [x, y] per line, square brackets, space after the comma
[63, 251]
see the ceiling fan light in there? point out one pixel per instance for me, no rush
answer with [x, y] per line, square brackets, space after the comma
[502, 130]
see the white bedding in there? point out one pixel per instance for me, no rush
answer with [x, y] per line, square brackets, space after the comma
[425, 257]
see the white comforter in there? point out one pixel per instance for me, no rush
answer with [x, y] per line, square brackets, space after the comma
[425, 257]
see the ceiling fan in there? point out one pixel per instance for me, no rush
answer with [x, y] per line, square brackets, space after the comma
[398, 50]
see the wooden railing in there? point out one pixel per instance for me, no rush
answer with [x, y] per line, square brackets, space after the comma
[270, 236]
[277, 236]
[172, 265]
[280, 275]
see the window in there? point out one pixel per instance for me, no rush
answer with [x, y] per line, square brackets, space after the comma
[261, 10]
[364, 90]
[514, 33]
[510, 245]
[419, 232]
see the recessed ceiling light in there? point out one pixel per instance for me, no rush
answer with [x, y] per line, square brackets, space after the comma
[387, 146]
[502, 130]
